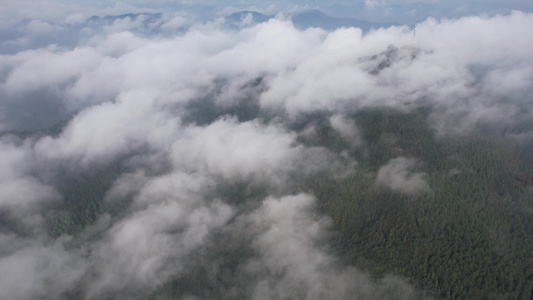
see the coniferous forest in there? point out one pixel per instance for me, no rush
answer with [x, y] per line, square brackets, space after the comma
[469, 236]
[463, 230]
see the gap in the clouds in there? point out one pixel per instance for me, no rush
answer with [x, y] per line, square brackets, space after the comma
[82, 192]
[244, 105]
[215, 271]
[245, 194]
[34, 110]
[79, 203]
[393, 54]
[90, 197]
[53, 131]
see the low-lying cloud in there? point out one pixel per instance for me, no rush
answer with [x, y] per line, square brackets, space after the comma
[399, 176]
[126, 100]
[293, 264]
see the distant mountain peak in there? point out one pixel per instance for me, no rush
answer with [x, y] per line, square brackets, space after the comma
[108, 19]
[303, 20]
[236, 19]
[312, 12]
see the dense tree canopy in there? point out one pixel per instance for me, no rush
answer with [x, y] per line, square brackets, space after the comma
[469, 237]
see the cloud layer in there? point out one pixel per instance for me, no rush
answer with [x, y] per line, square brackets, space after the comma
[162, 115]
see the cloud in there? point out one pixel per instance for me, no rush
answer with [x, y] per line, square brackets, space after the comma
[106, 131]
[398, 175]
[304, 71]
[20, 191]
[346, 128]
[234, 149]
[128, 99]
[177, 22]
[49, 69]
[349, 70]
[268, 154]
[38, 270]
[372, 3]
[169, 221]
[293, 265]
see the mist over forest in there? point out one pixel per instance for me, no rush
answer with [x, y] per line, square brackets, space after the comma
[252, 154]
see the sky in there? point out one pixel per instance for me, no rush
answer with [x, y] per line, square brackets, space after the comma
[156, 97]
[386, 11]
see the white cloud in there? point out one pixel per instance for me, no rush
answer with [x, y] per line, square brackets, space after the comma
[372, 3]
[292, 264]
[170, 219]
[346, 128]
[106, 131]
[50, 69]
[237, 150]
[131, 97]
[19, 190]
[39, 271]
[177, 22]
[399, 176]
[304, 71]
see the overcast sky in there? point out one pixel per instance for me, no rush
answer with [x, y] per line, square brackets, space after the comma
[388, 11]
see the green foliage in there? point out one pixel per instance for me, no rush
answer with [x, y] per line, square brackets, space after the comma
[245, 108]
[83, 200]
[469, 238]
[215, 275]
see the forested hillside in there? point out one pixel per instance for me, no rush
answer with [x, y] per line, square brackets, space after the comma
[468, 236]
[459, 225]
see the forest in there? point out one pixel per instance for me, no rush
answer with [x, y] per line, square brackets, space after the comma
[469, 236]
[465, 233]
